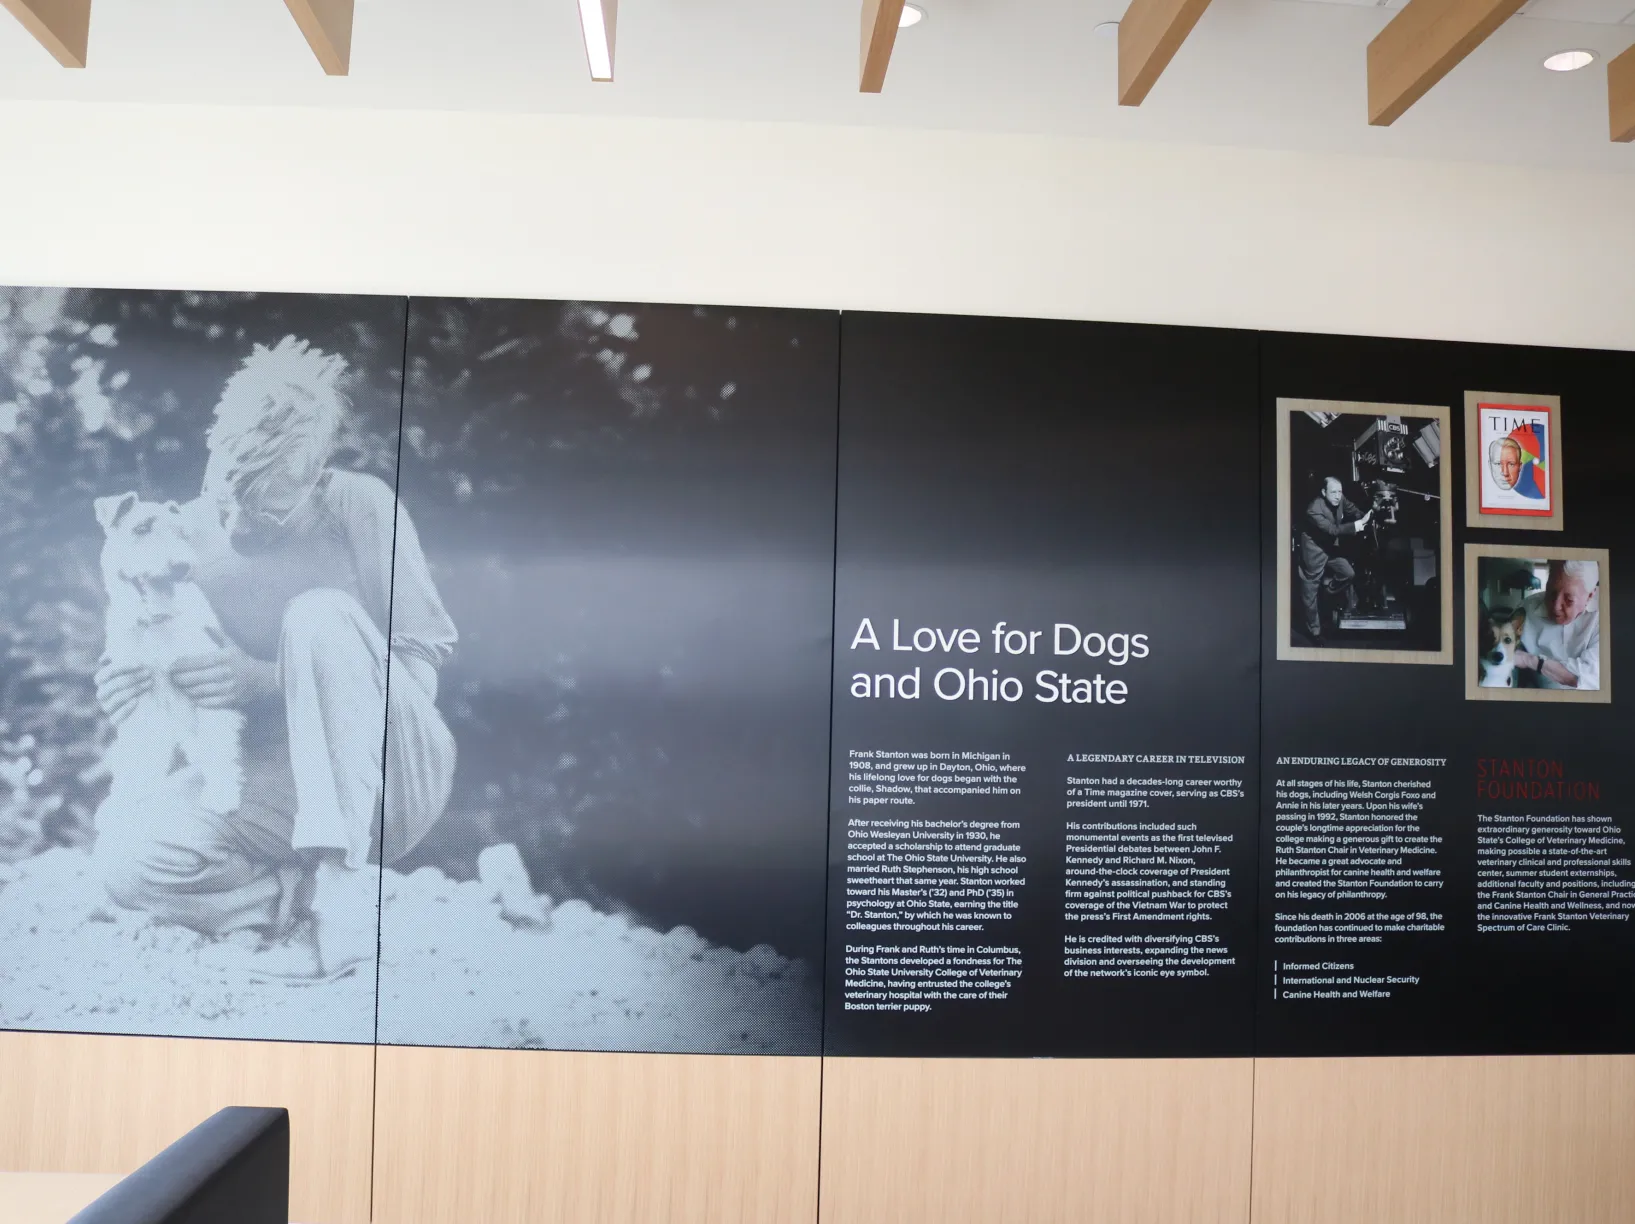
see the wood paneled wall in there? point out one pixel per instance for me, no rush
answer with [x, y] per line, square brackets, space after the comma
[1445, 1140]
[1035, 1141]
[96, 1104]
[530, 1137]
[480, 1136]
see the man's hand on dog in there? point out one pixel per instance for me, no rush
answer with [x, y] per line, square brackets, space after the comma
[119, 688]
[224, 679]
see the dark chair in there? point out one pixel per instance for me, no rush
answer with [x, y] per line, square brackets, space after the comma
[232, 1168]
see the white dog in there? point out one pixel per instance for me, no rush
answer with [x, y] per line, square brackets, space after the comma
[1501, 638]
[156, 615]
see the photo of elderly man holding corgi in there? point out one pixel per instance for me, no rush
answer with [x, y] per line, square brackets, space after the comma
[1538, 625]
[247, 643]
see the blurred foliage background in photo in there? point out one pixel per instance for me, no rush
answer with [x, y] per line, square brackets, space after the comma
[629, 513]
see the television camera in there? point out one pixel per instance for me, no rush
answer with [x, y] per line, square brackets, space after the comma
[1382, 447]
[1383, 450]
[1386, 572]
[1387, 501]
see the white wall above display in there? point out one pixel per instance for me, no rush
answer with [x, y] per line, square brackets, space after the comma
[791, 215]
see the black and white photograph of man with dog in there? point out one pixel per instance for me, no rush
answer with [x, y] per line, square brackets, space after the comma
[198, 517]
[1364, 533]
[1537, 624]
[564, 764]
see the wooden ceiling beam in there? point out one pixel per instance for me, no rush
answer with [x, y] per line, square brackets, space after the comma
[327, 26]
[1621, 96]
[63, 27]
[1421, 45]
[1149, 35]
[880, 21]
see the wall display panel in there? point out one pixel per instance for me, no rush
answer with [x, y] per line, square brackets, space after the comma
[1043, 824]
[610, 692]
[196, 508]
[84, 1103]
[1445, 863]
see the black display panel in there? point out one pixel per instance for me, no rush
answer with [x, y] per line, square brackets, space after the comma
[691, 679]
[1043, 822]
[1444, 858]
[610, 686]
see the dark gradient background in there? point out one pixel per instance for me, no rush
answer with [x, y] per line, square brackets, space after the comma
[1036, 472]
[629, 513]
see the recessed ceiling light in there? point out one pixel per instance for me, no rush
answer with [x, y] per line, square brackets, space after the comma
[913, 14]
[1569, 61]
[1105, 29]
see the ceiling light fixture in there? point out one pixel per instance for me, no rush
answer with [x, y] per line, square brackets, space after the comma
[1105, 29]
[1569, 61]
[596, 20]
[913, 14]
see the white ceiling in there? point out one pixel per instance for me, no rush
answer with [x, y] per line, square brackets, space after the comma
[1269, 73]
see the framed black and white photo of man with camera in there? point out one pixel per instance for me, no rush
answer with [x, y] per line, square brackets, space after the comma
[1364, 532]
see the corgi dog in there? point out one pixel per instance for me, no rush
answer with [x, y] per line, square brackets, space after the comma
[157, 614]
[1501, 638]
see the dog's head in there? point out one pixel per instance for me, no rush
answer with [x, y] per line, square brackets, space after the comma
[146, 551]
[1502, 637]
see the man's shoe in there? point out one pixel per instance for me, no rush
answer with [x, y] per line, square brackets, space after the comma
[291, 958]
[345, 917]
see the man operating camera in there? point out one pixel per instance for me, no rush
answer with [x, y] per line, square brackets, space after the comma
[1330, 518]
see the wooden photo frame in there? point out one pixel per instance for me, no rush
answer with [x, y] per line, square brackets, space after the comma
[1522, 486]
[1476, 645]
[1409, 457]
